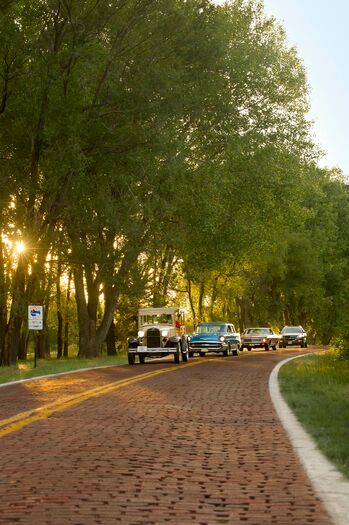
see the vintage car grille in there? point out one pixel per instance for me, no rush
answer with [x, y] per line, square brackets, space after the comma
[153, 338]
[290, 337]
[253, 340]
[205, 344]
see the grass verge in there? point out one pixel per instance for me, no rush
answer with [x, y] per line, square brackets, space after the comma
[25, 369]
[316, 388]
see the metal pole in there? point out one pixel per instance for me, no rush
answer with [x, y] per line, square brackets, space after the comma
[35, 345]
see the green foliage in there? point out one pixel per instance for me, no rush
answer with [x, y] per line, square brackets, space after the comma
[341, 345]
[162, 149]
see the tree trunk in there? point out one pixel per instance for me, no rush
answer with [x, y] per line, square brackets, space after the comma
[23, 344]
[13, 332]
[214, 297]
[66, 323]
[59, 312]
[111, 340]
[87, 328]
[201, 301]
[191, 302]
[3, 302]
[111, 336]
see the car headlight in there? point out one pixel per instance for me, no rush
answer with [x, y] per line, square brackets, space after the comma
[164, 333]
[222, 338]
[189, 338]
[140, 333]
[264, 341]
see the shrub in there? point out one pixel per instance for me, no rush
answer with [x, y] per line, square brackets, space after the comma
[341, 345]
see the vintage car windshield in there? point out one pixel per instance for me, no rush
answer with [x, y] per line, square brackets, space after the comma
[257, 331]
[291, 330]
[156, 319]
[210, 328]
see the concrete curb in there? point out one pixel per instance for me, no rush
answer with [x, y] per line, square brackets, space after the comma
[48, 376]
[329, 484]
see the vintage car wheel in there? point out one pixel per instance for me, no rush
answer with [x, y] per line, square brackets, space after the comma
[142, 359]
[249, 348]
[184, 349]
[177, 355]
[227, 351]
[131, 359]
[202, 354]
[274, 347]
[266, 347]
[236, 351]
[191, 354]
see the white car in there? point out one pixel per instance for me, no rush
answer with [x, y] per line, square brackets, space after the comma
[161, 332]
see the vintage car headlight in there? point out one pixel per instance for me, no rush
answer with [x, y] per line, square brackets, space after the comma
[189, 338]
[222, 338]
[164, 333]
[140, 333]
[264, 341]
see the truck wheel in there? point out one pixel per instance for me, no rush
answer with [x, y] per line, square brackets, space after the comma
[227, 351]
[142, 359]
[184, 349]
[177, 355]
[185, 357]
[131, 359]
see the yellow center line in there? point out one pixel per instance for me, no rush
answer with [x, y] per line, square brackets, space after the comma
[23, 419]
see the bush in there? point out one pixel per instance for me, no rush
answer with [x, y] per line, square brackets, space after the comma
[341, 345]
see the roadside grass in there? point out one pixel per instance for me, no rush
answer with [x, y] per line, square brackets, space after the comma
[26, 370]
[316, 388]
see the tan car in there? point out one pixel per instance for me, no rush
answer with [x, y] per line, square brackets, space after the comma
[161, 332]
[260, 338]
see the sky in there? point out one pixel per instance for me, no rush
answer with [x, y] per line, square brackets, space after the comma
[319, 30]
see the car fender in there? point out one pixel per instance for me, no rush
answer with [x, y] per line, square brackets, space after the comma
[132, 342]
[172, 341]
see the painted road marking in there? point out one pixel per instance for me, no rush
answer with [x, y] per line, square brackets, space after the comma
[18, 421]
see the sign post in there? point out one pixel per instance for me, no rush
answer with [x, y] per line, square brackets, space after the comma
[35, 321]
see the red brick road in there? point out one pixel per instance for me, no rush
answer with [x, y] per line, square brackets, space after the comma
[200, 445]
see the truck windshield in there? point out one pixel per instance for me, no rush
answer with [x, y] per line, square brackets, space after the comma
[156, 319]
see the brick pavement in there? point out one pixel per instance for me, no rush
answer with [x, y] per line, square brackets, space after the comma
[201, 445]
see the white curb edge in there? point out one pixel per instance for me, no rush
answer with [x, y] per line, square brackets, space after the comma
[329, 484]
[36, 378]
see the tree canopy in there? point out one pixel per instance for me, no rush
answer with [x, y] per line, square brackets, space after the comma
[155, 152]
